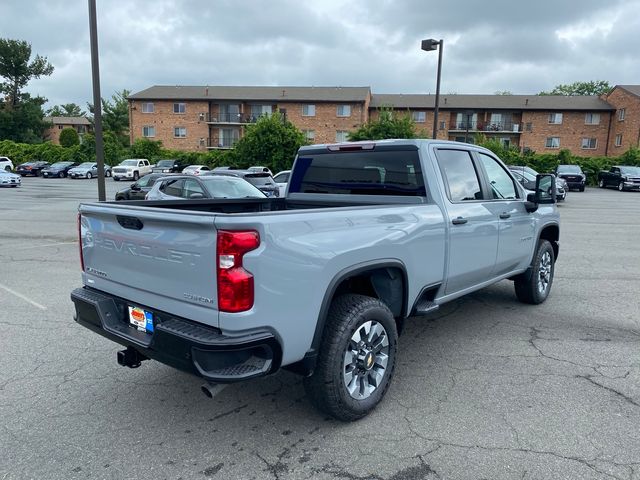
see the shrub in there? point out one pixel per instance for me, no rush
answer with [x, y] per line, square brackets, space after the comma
[69, 137]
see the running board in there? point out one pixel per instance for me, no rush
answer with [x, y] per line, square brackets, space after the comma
[425, 307]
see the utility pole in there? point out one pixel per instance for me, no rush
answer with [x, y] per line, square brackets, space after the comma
[97, 101]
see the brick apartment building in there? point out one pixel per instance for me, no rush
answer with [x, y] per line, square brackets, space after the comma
[200, 118]
[80, 124]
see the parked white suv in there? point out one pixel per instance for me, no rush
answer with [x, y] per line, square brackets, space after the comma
[132, 168]
[6, 164]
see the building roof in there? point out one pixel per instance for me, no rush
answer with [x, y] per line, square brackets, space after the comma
[492, 102]
[68, 120]
[635, 89]
[283, 94]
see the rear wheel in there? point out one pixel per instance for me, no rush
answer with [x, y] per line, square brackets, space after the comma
[7, 168]
[136, 176]
[117, 179]
[601, 183]
[357, 358]
[107, 173]
[535, 288]
[61, 175]
[581, 188]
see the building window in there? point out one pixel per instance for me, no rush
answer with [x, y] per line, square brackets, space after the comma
[310, 135]
[621, 114]
[419, 117]
[179, 108]
[82, 129]
[344, 111]
[555, 118]
[505, 142]
[552, 142]
[589, 143]
[148, 131]
[309, 110]
[618, 142]
[342, 136]
[60, 127]
[147, 107]
[180, 132]
[528, 126]
[592, 119]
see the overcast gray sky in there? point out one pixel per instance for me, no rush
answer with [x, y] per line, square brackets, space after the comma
[490, 45]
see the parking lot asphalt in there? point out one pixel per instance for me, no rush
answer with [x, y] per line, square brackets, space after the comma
[487, 388]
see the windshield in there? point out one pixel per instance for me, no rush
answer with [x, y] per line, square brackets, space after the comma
[191, 168]
[129, 163]
[630, 170]
[165, 163]
[86, 165]
[61, 164]
[230, 187]
[259, 180]
[569, 169]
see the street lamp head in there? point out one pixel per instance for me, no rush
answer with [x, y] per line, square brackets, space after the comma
[430, 44]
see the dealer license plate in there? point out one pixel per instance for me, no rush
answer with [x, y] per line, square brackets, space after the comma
[141, 319]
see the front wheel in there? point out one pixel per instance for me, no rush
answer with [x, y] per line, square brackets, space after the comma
[601, 183]
[136, 176]
[7, 168]
[61, 175]
[581, 188]
[89, 176]
[107, 173]
[116, 179]
[356, 360]
[621, 187]
[535, 288]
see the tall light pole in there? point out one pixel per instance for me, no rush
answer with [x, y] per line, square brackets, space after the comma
[429, 45]
[97, 102]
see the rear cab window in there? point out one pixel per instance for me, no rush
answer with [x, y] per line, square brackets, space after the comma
[380, 171]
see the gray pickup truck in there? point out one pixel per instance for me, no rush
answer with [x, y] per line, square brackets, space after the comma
[318, 282]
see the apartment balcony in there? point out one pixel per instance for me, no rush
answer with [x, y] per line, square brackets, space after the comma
[221, 142]
[487, 127]
[230, 118]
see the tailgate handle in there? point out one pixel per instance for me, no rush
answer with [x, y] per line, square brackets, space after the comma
[132, 223]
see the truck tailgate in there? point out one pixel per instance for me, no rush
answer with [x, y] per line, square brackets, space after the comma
[159, 257]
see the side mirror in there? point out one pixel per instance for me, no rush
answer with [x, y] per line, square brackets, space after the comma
[134, 186]
[545, 191]
[195, 196]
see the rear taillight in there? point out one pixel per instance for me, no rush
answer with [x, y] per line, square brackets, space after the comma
[235, 284]
[80, 241]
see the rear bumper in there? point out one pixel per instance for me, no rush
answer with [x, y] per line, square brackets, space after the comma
[192, 347]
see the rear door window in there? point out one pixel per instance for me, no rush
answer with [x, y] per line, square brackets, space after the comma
[375, 172]
[460, 176]
[173, 187]
[191, 187]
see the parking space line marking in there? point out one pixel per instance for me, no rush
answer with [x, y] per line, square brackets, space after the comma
[45, 245]
[26, 299]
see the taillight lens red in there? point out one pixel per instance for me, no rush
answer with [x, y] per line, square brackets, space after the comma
[235, 284]
[80, 241]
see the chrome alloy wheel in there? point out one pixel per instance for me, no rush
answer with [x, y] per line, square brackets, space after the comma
[365, 360]
[544, 271]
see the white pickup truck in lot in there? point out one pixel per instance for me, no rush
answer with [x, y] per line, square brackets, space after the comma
[131, 169]
[321, 281]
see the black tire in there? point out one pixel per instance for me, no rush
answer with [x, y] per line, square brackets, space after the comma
[107, 173]
[601, 183]
[528, 287]
[326, 387]
[621, 187]
[136, 176]
[89, 176]
[61, 175]
[116, 179]
[7, 168]
[581, 189]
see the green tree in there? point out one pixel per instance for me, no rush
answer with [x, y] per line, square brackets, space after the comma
[115, 115]
[388, 125]
[271, 142]
[145, 148]
[66, 110]
[23, 123]
[503, 92]
[69, 137]
[593, 87]
[16, 70]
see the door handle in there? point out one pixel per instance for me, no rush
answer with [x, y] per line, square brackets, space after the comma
[505, 215]
[459, 221]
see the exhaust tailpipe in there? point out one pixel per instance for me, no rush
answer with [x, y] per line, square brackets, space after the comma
[212, 389]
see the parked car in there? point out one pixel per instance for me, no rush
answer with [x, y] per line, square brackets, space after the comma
[260, 180]
[195, 169]
[188, 187]
[6, 164]
[281, 179]
[169, 166]
[622, 177]
[58, 169]
[8, 179]
[31, 168]
[260, 169]
[88, 170]
[132, 168]
[369, 235]
[573, 175]
[138, 190]
[562, 189]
